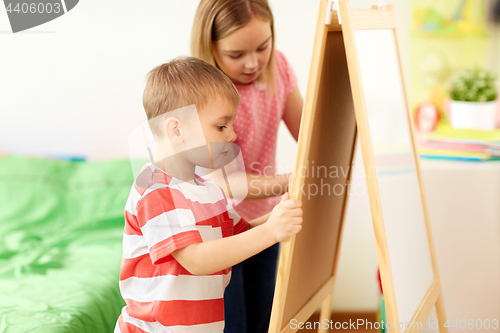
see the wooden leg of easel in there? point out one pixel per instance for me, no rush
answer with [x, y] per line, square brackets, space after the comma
[440, 314]
[326, 312]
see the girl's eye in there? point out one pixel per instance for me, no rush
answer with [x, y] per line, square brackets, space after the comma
[221, 127]
[262, 48]
[235, 57]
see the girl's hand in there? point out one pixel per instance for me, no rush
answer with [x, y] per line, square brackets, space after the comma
[289, 184]
[285, 219]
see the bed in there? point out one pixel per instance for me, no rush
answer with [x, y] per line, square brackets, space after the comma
[61, 226]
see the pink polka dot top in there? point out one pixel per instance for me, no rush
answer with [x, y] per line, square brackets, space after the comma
[256, 124]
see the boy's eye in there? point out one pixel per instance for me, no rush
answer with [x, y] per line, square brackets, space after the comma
[221, 127]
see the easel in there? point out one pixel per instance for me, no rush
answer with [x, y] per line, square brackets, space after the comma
[335, 105]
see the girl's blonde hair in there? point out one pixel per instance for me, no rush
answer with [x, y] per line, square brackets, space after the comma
[217, 19]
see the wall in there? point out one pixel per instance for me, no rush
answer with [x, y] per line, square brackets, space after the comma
[74, 85]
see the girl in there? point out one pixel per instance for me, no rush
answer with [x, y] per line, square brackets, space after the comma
[237, 36]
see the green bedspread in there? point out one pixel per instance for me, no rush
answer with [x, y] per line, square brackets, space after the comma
[61, 226]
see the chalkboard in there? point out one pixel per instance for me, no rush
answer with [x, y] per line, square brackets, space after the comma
[355, 86]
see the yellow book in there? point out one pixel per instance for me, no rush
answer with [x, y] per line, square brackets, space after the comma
[484, 137]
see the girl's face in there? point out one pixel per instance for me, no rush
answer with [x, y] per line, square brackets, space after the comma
[244, 54]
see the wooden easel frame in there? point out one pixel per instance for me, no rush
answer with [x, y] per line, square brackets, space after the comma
[352, 20]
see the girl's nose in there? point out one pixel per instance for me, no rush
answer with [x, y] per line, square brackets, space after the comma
[251, 61]
[232, 137]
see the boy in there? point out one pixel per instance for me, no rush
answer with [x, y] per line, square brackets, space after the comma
[181, 237]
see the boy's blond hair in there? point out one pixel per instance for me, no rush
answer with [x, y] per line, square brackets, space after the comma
[217, 19]
[185, 81]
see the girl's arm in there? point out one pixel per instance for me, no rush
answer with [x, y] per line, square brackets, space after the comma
[293, 112]
[253, 186]
[259, 220]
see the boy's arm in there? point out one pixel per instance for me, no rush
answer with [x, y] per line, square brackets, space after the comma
[212, 256]
[215, 255]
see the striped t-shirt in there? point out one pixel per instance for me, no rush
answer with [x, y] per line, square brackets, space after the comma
[164, 214]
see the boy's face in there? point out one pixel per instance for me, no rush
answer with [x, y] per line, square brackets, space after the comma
[216, 120]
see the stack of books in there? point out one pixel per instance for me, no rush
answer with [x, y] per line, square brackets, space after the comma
[461, 144]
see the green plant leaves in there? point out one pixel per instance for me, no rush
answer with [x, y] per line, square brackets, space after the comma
[473, 84]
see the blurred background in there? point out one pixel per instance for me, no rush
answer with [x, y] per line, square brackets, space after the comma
[72, 89]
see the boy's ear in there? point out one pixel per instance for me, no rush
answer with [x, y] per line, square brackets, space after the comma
[173, 130]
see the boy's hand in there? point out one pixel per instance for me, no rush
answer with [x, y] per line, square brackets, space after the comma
[285, 219]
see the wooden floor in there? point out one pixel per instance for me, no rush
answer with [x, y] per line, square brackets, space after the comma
[348, 317]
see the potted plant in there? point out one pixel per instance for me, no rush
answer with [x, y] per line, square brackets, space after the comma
[473, 99]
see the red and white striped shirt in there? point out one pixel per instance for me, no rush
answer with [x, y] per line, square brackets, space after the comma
[164, 214]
